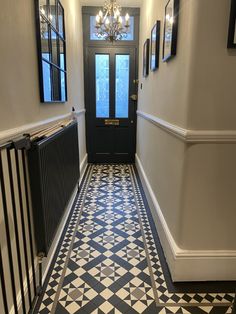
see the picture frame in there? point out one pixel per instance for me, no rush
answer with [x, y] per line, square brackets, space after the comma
[170, 29]
[155, 46]
[146, 48]
[232, 26]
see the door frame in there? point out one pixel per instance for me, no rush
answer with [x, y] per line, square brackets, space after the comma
[96, 44]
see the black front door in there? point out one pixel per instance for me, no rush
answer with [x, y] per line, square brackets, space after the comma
[111, 106]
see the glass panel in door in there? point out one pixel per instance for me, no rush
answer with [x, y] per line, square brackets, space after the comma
[122, 86]
[102, 85]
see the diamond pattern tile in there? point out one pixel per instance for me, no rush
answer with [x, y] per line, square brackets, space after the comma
[107, 260]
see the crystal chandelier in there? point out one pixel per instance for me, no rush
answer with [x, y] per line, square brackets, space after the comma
[109, 22]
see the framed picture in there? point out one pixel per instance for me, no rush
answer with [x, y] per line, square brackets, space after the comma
[170, 29]
[146, 58]
[155, 46]
[232, 26]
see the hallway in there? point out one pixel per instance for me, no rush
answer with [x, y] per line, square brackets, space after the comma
[117, 157]
[107, 259]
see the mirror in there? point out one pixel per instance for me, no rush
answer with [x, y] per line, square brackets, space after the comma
[51, 50]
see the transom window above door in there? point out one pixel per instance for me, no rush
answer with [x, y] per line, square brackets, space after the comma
[130, 33]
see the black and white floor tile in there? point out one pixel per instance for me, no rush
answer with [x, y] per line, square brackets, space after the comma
[108, 259]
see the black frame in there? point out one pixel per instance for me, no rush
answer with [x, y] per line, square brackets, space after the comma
[174, 30]
[51, 20]
[155, 46]
[91, 45]
[232, 26]
[146, 48]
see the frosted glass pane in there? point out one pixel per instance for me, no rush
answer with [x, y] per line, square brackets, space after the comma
[122, 86]
[102, 86]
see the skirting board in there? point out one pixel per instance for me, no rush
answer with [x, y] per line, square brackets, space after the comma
[83, 166]
[187, 265]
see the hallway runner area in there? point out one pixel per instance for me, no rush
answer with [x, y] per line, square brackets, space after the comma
[107, 260]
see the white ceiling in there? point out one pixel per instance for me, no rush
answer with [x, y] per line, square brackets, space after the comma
[123, 3]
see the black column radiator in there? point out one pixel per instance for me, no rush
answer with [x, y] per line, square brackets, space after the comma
[54, 173]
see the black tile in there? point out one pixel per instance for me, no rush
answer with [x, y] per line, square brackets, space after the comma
[94, 262]
[123, 307]
[60, 309]
[123, 263]
[119, 246]
[151, 309]
[145, 278]
[93, 282]
[68, 279]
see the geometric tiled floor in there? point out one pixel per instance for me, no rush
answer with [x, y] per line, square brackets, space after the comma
[107, 259]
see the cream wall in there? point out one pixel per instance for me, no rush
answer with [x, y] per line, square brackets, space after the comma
[212, 90]
[209, 199]
[193, 183]
[162, 157]
[165, 90]
[19, 86]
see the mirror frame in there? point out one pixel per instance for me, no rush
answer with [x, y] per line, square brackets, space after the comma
[232, 26]
[56, 69]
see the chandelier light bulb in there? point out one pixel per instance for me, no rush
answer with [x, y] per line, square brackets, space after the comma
[120, 20]
[98, 19]
[107, 22]
[117, 12]
[127, 17]
[100, 14]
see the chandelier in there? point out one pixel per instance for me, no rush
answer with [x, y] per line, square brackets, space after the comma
[110, 25]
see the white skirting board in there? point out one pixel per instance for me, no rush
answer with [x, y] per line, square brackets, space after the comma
[83, 166]
[187, 265]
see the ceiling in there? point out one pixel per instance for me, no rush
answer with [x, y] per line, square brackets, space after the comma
[123, 3]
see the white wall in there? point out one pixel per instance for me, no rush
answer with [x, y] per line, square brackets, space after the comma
[193, 183]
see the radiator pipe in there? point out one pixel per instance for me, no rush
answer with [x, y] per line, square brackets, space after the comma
[14, 211]
[41, 256]
[234, 306]
[3, 284]
[8, 237]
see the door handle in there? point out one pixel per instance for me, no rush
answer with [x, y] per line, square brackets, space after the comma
[134, 97]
